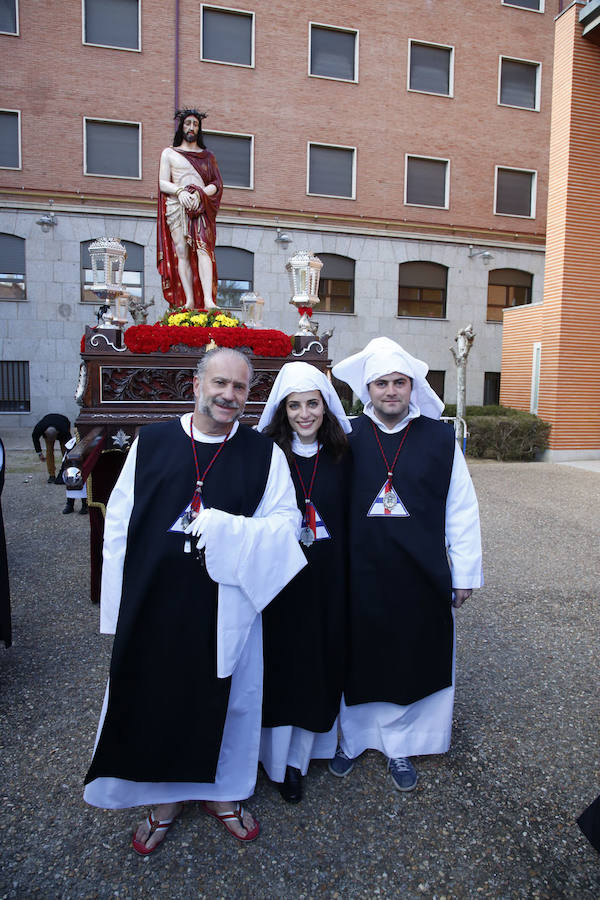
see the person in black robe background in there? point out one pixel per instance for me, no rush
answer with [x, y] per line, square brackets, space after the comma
[304, 627]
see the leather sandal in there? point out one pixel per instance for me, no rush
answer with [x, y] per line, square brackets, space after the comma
[236, 813]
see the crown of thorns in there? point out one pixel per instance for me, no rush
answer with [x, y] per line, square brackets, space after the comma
[182, 114]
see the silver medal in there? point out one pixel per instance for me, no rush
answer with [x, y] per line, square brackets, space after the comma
[390, 500]
[306, 536]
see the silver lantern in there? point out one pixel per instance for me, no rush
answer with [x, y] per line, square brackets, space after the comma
[304, 269]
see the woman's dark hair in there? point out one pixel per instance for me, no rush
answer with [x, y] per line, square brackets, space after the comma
[330, 434]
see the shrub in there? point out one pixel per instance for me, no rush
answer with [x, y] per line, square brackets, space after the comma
[514, 436]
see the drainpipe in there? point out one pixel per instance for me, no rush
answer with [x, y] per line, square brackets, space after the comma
[177, 54]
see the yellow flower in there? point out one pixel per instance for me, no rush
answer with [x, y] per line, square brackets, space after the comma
[178, 318]
[199, 319]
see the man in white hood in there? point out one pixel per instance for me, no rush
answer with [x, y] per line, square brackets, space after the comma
[415, 553]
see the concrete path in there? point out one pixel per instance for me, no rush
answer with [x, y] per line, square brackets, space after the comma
[494, 818]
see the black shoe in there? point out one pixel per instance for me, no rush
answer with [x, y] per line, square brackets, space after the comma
[51, 480]
[84, 508]
[69, 508]
[291, 789]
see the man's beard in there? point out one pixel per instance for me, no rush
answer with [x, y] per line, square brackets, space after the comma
[191, 137]
[204, 407]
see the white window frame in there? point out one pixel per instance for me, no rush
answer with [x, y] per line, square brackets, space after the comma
[353, 31]
[112, 122]
[17, 32]
[231, 9]
[533, 192]
[536, 365]
[20, 166]
[408, 156]
[137, 49]
[238, 187]
[450, 47]
[538, 82]
[310, 144]
[525, 8]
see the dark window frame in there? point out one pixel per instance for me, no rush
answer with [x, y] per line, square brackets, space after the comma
[93, 119]
[327, 286]
[18, 168]
[15, 381]
[521, 5]
[245, 137]
[333, 28]
[235, 291]
[89, 43]
[85, 285]
[491, 388]
[435, 159]
[442, 300]
[532, 192]
[14, 279]
[412, 42]
[508, 288]
[531, 64]
[352, 150]
[234, 11]
[16, 32]
[434, 377]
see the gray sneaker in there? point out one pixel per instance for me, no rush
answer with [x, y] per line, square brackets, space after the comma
[341, 764]
[404, 774]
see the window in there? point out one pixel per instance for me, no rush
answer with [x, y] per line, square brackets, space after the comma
[519, 83]
[331, 171]
[536, 364]
[431, 68]
[133, 273]
[112, 23]
[12, 267]
[515, 192]
[336, 286]
[535, 5]
[112, 148]
[333, 52]
[491, 388]
[422, 290]
[227, 36]
[10, 139]
[14, 387]
[235, 270]
[426, 182]
[235, 157]
[507, 287]
[9, 17]
[436, 379]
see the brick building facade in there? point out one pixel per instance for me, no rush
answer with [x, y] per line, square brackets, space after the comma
[392, 140]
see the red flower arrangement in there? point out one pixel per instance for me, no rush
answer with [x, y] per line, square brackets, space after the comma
[151, 338]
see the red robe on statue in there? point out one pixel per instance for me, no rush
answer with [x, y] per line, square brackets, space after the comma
[201, 232]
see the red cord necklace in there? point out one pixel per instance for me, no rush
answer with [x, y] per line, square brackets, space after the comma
[309, 527]
[390, 499]
[196, 504]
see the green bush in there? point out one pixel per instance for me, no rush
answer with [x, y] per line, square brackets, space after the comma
[516, 436]
[450, 410]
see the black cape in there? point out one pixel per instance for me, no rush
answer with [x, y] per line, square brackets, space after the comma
[401, 629]
[166, 706]
[589, 822]
[5, 621]
[304, 627]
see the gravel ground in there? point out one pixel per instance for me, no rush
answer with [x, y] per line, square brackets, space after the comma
[493, 818]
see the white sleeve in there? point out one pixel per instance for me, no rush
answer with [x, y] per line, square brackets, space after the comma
[463, 533]
[116, 524]
[259, 555]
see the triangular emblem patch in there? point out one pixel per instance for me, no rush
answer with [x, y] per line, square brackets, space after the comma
[382, 507]
[183, 519]
[316, 523]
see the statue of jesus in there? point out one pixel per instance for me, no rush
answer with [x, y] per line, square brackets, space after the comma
[189, 197]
